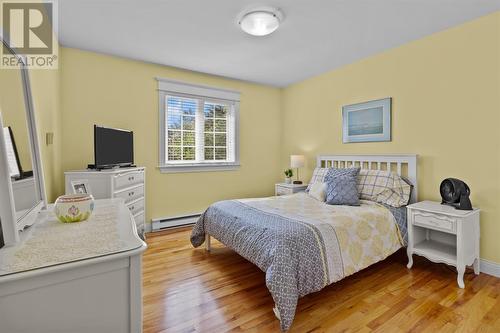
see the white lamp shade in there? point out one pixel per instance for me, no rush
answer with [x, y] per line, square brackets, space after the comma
[297, 161]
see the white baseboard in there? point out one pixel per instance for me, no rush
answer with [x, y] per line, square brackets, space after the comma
[489, 267]
[147, 227]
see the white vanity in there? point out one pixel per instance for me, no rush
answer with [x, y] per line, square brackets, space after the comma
[74, 277]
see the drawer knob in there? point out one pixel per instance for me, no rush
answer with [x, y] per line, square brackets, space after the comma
[130, 193]
[131, 208]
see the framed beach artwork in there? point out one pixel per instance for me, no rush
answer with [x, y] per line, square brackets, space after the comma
[367, 122]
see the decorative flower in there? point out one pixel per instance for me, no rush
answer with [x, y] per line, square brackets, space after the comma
[73, 211]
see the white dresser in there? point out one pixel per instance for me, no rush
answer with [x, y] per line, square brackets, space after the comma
[125, 183]
[74, 277]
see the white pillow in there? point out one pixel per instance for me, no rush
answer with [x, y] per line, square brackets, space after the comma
[318, 175]
[318, 191]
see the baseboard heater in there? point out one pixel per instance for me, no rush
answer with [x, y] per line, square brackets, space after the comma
[171, 222]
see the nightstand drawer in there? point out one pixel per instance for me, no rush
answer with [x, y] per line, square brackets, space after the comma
[283, 190]
[435, 221]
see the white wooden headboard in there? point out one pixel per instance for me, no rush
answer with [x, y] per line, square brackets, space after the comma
[403, 165]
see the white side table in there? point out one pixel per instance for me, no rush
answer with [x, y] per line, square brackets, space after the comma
[444, 234]
[284, 188]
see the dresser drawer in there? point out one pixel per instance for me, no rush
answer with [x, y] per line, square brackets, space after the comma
[435, 221]
[130, 194]
[128, 179]
[136, 206]
[139, 218]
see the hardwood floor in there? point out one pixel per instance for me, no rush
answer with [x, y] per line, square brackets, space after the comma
[190, 290]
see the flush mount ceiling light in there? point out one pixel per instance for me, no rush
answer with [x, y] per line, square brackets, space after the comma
[260, 22]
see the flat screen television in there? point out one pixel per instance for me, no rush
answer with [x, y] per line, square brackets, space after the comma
[113, 147]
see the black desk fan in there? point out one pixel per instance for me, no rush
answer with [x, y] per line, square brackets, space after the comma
[455, 192]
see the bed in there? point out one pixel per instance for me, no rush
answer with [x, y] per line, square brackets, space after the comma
[303, 244]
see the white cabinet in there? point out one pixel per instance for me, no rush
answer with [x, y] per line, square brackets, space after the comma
[444, 234]
[125, 183]
[48, 285]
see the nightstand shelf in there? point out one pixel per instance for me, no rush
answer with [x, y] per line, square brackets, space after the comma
[437, 250]
[444, 234]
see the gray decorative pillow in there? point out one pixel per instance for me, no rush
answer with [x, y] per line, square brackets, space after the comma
[342, 190]
[342, 186]
[348, 172]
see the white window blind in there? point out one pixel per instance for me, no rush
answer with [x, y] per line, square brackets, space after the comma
[181, 125]
[197, 132]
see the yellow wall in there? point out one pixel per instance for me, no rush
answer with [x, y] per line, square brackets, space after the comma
[122, 93]
[45, 92]
[446, 109]
[13, 111]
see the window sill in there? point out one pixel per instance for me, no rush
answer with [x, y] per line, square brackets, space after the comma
[181, 168]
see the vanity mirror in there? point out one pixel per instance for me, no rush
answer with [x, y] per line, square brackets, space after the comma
[22, 191]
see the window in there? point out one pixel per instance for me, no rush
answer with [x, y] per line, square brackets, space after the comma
[181, 125]
[198, 127]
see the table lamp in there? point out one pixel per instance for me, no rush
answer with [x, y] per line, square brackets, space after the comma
[297, 161]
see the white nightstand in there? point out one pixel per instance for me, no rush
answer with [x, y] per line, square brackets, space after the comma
[284, 188]
[444, 234]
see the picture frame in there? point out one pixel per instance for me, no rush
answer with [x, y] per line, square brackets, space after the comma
[81, 186]
[367, 122]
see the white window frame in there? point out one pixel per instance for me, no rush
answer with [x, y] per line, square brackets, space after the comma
[168, 87]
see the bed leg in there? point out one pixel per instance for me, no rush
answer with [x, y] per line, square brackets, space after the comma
[207, 242]
[277, 312]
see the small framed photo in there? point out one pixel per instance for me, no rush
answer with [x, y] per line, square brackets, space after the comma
[81, 187]
[367, 122]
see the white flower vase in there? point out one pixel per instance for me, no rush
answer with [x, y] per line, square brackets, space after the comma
[288, 180]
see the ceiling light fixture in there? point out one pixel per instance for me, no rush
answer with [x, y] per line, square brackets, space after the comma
[260, 22]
